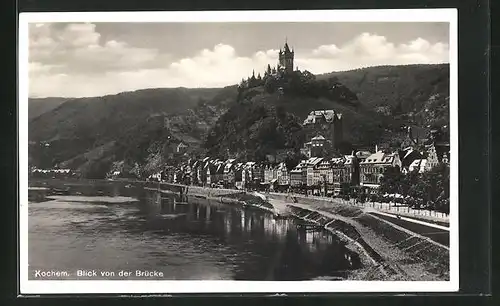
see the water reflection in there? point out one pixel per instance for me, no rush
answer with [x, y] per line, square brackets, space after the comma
[185, 238]
[295, 253]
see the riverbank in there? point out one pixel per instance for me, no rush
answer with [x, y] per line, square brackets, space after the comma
[397, 254]
[225, 196]
[390, 252]
[387, 251]
[423, 215]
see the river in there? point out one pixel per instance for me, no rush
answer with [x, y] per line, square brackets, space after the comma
[109, 227]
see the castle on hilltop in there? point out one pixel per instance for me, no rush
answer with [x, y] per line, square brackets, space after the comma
[284, 66]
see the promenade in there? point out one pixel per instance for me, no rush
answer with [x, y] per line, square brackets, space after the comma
[410, 247]
[392, 208]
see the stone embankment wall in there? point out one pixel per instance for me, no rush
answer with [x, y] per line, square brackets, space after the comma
[209, 192]
[380, 270]
[309, 200]
[410, 256]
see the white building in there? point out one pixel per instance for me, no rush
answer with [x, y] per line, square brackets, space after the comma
[372, 169]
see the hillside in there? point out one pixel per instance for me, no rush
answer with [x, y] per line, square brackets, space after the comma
[138, 130]
[120, 126]
[107, 117]
[402, 91]
[39, 106]
[262, 123]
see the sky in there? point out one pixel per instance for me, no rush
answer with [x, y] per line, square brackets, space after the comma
[94, 59]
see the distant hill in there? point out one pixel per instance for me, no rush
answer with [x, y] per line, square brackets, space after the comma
[121, 126]
[109, 116]
[38, 106]
[137, 130]
[402, 91]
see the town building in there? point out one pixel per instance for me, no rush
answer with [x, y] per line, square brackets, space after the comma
[298, 175]
[282, 175]
[194, 172]
[168, 174]
[245, 177]
[210, 169]
[306, 149]
[323, 168]
[338, 169]
[313, 177]
[418, 165]
[52, 173]
[327, 123]
[324, 176]
[238, 176]
[202, 171]
[437, 153]
[257, 173]
[351, 169]
[408, 155]
[270, 174]
[363, 155]
[219, 173]
[181, 148]
[319, 146]
[372, 169]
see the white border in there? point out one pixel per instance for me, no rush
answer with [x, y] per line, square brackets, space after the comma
[167, 287]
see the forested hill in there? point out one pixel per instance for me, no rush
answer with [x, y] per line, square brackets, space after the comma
[416, 93]
[267, 118]
[39, 106]
[82, 132]
[140, 127]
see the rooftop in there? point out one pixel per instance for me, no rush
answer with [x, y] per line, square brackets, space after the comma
[329, 115]
[319, 137]
[379, 158]
[314, 161]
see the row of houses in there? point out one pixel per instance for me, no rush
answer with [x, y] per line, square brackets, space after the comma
[330, 175]
[51, 173]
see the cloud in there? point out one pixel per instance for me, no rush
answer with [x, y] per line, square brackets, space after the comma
[78, 48]
[76, 61]
[372, 50]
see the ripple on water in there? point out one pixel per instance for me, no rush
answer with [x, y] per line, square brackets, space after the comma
[92, 233]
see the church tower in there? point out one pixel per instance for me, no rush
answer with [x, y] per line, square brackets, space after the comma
[286, 58]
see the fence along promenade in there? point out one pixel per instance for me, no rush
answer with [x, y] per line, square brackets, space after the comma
[399, 209]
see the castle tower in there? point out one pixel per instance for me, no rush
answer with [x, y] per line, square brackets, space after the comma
[286, 58]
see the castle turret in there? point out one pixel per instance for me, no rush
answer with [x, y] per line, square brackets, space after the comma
[286, 58]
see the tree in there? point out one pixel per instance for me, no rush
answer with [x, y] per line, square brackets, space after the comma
[345, 147]
[292, 160]
[391, 181]
[270, 85]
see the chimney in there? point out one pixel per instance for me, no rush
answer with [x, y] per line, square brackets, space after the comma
[376, 148]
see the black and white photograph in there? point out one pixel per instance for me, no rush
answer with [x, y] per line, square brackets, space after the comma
[249, 151]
